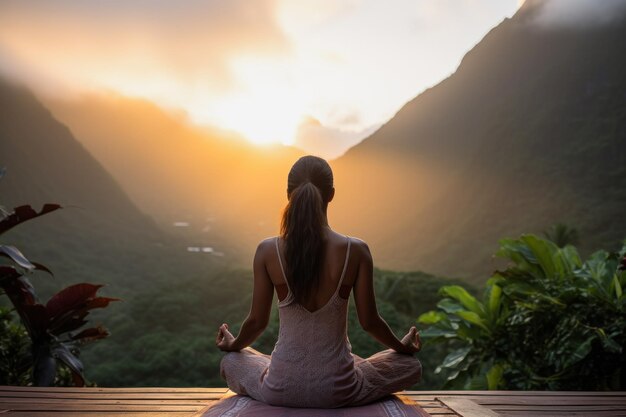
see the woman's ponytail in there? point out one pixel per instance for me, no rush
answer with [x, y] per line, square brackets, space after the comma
[303, 223]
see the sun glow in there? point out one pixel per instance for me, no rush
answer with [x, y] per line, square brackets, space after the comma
[260, 118]
[265, 107]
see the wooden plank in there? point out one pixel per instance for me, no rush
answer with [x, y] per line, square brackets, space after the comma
[572, 407]
[422, 397]
[467, 408]
[104, 401]
[121, 396]
[516, 393]
[103, 389]
[561, 414]
[439, 411]
[584, 400]
[95, 414]
[429, 404]
[72, 407]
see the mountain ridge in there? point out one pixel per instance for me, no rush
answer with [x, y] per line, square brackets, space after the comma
[515, 140]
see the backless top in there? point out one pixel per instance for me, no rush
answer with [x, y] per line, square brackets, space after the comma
[311, 364]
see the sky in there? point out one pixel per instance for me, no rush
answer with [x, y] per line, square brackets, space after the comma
[319, 74]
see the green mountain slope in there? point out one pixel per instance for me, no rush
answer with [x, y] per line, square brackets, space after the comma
[100, 236]
[529, 131]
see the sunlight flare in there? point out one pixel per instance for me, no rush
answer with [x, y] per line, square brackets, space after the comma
[266, 107]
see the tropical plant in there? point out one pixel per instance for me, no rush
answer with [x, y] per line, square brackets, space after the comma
[548, 321]
[562, 235]
[53, 328]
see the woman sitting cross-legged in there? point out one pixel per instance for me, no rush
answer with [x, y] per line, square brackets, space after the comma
[313, 270]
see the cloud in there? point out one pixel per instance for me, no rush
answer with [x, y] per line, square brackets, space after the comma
[115, 43]
[558, 13]
[313, 137]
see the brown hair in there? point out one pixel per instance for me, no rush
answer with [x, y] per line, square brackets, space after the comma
[309, 189]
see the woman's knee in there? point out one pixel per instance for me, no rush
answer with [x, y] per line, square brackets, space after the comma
[226, 363]
[415, 371]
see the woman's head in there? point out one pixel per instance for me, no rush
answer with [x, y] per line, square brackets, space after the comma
[314, 170]
[309, 190]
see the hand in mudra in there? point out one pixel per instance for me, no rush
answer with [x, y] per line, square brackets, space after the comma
[411, 341]
[225, 338]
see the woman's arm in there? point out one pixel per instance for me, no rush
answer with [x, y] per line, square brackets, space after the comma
[259, 314]
[367, 311]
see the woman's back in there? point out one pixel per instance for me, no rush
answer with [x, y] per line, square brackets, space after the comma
[338, 265]
[312, 364]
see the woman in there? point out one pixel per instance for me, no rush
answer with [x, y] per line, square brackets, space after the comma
[313, 269]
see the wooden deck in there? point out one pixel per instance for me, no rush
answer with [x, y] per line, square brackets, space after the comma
[190, 402]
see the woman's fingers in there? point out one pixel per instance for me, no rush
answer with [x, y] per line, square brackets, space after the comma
[414, 338]
[418, 342]
[221, 333]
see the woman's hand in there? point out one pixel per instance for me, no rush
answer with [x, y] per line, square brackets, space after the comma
[224, 339]
[411, 341]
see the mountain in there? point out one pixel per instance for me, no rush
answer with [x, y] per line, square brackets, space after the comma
[100, 236]
[529, 131]
[223, 187]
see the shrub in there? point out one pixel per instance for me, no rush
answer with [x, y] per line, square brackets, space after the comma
[549, 321]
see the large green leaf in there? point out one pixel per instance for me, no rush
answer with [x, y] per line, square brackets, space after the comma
[456, 357]
[432, 317]
[571, 257]
[617, 287]
[495, 376]
[495, 296]
[579, 353]
[466, 299]
[518, 252]
[449, 306]
[543, 251]
[435, 332]
[469, 332]
[473, 318]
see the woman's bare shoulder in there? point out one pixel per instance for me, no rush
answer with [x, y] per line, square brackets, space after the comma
[360, 248]
[266, 246]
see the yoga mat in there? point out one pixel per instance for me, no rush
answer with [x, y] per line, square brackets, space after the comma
[243, 406]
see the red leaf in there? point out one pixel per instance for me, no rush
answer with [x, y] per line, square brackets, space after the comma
[70, 298]
[47, 208]
[99, 302]
[23, 213]
[41, 267]
[19, 291]
[8, 273]
[93, 333]
[68, 324]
